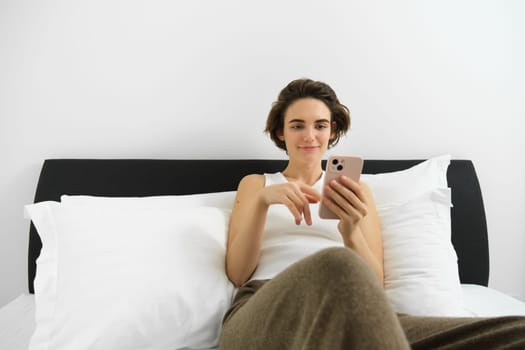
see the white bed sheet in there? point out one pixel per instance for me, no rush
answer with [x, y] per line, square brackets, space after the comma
[17, 318]
[17, 322]
[487, 302]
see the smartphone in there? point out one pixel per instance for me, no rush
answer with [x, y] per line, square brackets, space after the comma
[350, 166]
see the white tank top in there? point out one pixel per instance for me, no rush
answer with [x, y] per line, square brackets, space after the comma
[284, 242]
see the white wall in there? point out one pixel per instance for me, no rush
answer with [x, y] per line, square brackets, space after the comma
[195, 79]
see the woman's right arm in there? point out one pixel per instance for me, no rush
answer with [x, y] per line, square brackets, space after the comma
[248, 218]
[246, 230]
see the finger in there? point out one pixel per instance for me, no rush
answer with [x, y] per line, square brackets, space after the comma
[351, 216]
[354, 186]
[362, 204]
[310, 192]
[307, 214]
[301, 201]
[354, 196]
[293, 209]
[301, 195]
[336, 209]
[332, 192]
[311, 199]
[347, 200]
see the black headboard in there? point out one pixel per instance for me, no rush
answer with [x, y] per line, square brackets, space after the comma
[146, 177]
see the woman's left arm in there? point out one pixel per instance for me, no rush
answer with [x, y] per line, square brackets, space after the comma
[359, 222]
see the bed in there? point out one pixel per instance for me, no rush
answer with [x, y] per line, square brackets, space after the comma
[142, 184]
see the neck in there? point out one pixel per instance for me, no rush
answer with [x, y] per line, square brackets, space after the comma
[307, 173]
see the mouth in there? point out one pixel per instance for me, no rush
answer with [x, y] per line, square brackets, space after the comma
[309, 148]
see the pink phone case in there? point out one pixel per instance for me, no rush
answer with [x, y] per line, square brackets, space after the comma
[350, 166]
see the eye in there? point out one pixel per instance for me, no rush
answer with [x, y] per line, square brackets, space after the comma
[297, 126]
[322, 126]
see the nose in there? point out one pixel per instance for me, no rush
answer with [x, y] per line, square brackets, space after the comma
[309, 134]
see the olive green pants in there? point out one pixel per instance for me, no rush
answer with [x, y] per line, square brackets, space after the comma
[332, 300]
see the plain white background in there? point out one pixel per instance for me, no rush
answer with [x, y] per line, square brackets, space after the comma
[195, 79]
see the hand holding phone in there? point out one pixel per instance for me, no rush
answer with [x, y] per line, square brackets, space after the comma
[350, 166]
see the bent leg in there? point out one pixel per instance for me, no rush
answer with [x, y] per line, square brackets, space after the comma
[329, 300]
[464, 333]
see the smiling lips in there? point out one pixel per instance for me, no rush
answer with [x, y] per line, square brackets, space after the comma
[308, 148]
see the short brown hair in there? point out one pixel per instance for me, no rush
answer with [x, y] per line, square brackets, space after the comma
[307, 88]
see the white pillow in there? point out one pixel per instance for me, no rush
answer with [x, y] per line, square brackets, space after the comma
[399, 186]
[123, 277]
[421, 271]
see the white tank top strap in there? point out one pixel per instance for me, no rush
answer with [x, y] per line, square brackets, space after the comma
[279, 178]
[274, 178]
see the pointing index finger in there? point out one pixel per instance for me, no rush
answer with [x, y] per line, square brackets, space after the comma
[311, 193]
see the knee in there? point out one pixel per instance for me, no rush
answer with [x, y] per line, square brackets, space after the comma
[340, 265]
[336, 259]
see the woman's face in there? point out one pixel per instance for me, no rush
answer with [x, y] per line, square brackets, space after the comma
[306, 131]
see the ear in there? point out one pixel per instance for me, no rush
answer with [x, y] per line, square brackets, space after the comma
[332, 130]
[280, 134]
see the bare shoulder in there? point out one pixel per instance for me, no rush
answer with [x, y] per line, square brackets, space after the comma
[251, 182]
[249, 185]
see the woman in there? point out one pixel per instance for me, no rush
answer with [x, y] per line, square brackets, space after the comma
[309, 283]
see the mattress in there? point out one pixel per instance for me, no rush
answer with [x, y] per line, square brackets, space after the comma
[17, 318]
